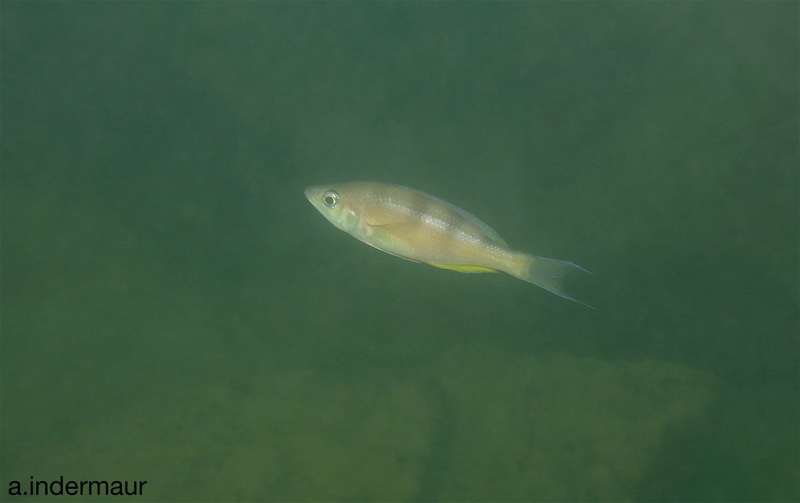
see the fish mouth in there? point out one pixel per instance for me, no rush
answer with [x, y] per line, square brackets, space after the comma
[314, 193]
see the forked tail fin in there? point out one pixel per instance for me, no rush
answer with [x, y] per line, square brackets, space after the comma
[548, 273]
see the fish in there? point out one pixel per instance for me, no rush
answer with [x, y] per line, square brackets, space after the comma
[416, 226]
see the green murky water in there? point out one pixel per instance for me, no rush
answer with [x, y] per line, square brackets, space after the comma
[173, 309]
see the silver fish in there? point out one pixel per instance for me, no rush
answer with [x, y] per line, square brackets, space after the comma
[419, 227]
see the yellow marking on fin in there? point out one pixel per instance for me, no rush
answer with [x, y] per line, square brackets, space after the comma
[464, 268]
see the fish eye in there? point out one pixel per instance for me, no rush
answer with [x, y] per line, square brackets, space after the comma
[331, 199]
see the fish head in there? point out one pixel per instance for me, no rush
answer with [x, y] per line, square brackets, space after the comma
[334, 204]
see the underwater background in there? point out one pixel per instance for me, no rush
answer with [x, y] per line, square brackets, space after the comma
[174, 310]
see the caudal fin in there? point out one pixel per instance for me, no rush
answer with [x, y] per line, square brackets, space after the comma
[549, 273]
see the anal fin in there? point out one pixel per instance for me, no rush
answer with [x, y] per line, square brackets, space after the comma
[464, 268]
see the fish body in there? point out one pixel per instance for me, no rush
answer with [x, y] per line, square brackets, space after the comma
[416, 226]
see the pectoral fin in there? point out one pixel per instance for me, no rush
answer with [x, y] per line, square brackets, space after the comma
[389, 229]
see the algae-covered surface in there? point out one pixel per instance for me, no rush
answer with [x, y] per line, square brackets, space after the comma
[172, 310]
[475, 424]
